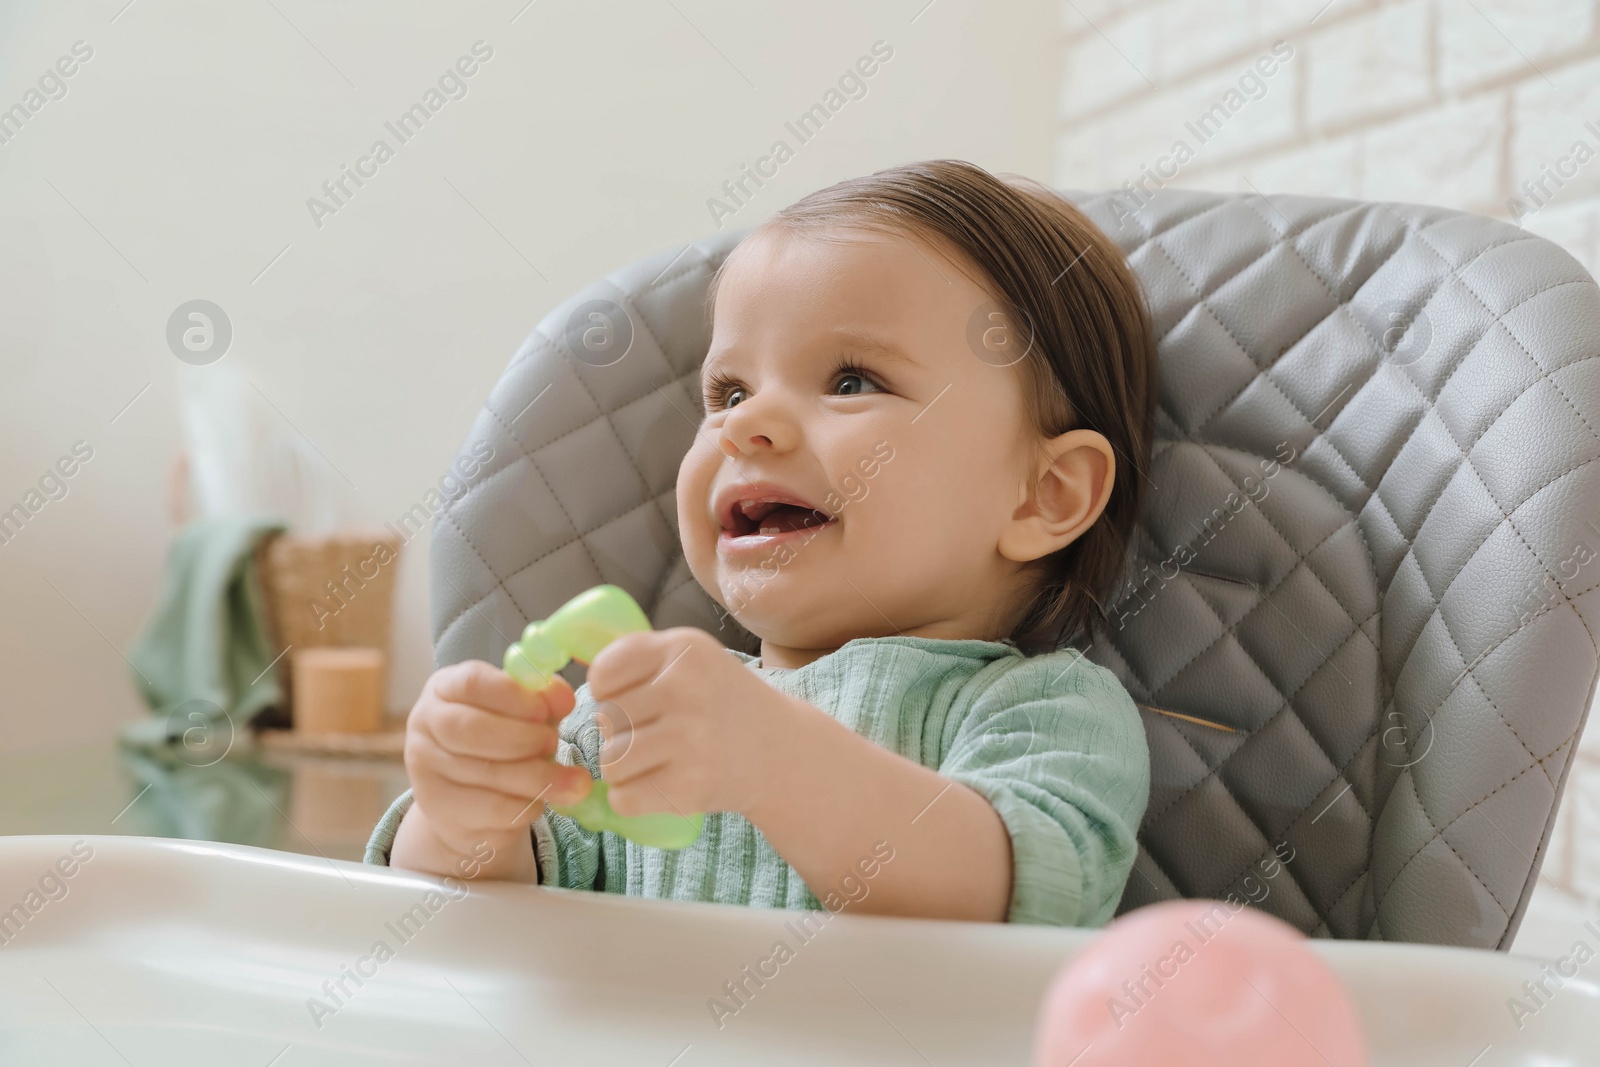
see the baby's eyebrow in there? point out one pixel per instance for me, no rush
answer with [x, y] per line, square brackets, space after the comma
[709, 364]
[858, 339]
[872, 342]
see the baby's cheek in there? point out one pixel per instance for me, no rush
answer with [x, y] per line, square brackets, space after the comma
[693, 487]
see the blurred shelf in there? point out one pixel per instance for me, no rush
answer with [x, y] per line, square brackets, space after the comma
[385, 744]
[317, 803]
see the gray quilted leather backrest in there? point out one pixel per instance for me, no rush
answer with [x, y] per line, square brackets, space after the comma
[1356, 616]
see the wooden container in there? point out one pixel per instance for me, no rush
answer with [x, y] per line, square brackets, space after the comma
[332, 591]
[337, 690]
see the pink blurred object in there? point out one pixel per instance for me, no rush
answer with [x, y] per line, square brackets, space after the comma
[1198, 982]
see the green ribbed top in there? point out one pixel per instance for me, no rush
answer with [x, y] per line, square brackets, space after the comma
[1054, 742]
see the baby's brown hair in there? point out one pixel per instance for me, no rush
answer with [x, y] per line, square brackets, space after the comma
[1082, 319]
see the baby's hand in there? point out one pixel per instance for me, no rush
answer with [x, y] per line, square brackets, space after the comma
[688, 727]
[479, 751]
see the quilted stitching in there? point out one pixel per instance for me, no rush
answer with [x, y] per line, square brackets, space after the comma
[1154, 819]
[1506, 515]
[1331, 557]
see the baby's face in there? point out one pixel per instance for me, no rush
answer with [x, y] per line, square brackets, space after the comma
[841, 377]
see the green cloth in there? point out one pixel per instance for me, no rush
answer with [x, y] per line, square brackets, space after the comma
[201, 663]
[188, 792]
[1054, 742]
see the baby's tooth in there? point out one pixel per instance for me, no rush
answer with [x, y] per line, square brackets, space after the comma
[769, 530]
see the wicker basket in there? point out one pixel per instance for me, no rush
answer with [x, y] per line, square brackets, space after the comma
[329, 591]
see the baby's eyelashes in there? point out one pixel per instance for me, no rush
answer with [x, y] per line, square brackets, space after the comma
[848, 369]
[717, 391]
[864, 381]
[723, 393]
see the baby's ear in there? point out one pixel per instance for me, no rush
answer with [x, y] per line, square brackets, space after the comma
[1070, 489]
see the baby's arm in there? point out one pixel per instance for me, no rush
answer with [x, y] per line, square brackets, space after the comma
[418, 846]
[1042, 835]
[834, 794]
[1031, 816]
[700, 731]
[1057, 746]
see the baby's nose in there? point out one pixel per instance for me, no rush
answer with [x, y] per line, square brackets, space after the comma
[732, 450]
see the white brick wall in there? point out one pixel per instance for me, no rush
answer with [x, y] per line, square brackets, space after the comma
[1370, 64]
[1491, 39]
[1548, 120]
[1210, 113]
[1453, 152]
[1452, 102]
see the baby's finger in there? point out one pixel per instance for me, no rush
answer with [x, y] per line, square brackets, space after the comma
[534, 779]
[470, 813]
[466, 730]
[649, 794]
[631, 660]
[492, 689]
[634, 750]
[559, 699]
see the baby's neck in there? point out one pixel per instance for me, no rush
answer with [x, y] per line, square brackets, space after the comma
[774, 656]
[777, 657]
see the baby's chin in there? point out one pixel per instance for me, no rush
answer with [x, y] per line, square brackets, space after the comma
[801, 622]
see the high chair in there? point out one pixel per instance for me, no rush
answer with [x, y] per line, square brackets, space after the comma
[1357, 612]
[1356, 617]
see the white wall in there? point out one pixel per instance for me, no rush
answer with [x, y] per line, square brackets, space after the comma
[178, 166]
[1452, 102]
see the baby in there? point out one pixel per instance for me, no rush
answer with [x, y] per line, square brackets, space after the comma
[928, 403]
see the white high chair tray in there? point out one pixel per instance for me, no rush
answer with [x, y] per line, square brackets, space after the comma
[173, 953]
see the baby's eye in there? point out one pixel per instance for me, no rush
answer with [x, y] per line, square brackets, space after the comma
[851, 381]
[718, 391]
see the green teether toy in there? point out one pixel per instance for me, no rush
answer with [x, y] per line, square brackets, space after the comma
[578, 630]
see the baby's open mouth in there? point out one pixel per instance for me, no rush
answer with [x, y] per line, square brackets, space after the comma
[755, 516]
[771, 517]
